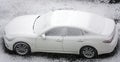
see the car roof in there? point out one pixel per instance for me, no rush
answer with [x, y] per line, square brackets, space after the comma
[85, 20]
[80, 19]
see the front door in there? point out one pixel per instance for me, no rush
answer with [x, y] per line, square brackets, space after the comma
[53, 40]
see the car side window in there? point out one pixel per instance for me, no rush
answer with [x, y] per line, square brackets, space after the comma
[74, 32]
[59, 31]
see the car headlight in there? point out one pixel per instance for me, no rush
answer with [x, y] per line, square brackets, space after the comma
[8, 39]
[108, 41]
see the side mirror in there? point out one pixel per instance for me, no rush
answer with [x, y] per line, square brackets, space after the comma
[43, 36]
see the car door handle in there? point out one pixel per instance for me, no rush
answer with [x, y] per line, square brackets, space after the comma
[80, 41]
[59, 40]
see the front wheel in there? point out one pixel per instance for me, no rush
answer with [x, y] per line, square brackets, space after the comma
[88, 52]
[21, 48]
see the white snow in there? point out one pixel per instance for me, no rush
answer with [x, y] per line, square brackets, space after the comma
[10, 9]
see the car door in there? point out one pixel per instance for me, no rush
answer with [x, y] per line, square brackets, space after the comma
[73, 40]
[53, 40]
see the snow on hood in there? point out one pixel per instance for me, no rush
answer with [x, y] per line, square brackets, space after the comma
[21, 25]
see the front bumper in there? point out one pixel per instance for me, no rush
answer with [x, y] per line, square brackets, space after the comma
[7, 44]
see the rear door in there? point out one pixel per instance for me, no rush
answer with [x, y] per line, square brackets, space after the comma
[73, 40]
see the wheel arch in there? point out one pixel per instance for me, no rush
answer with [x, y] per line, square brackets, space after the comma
[87, 46]
[21, 42]
[29, 41]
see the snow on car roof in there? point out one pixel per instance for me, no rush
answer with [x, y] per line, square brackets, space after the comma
[75, 18]
[84, 20]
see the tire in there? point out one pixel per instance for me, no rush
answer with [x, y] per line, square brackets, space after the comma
[88, 52]
[21, 48]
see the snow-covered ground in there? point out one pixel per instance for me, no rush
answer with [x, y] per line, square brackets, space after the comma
[13, 8]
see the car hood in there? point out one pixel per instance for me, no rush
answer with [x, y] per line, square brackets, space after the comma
[22, 25]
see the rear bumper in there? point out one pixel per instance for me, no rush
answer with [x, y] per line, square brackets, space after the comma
[109, 47]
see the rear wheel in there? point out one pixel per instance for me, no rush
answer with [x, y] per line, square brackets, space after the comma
[88, 52]
[22, 48]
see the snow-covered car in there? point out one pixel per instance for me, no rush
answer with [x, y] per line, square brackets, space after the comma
[62, 31]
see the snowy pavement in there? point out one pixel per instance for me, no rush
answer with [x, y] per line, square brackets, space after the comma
[13, 8]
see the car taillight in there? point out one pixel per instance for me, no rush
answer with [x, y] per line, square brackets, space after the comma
[108, 41]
